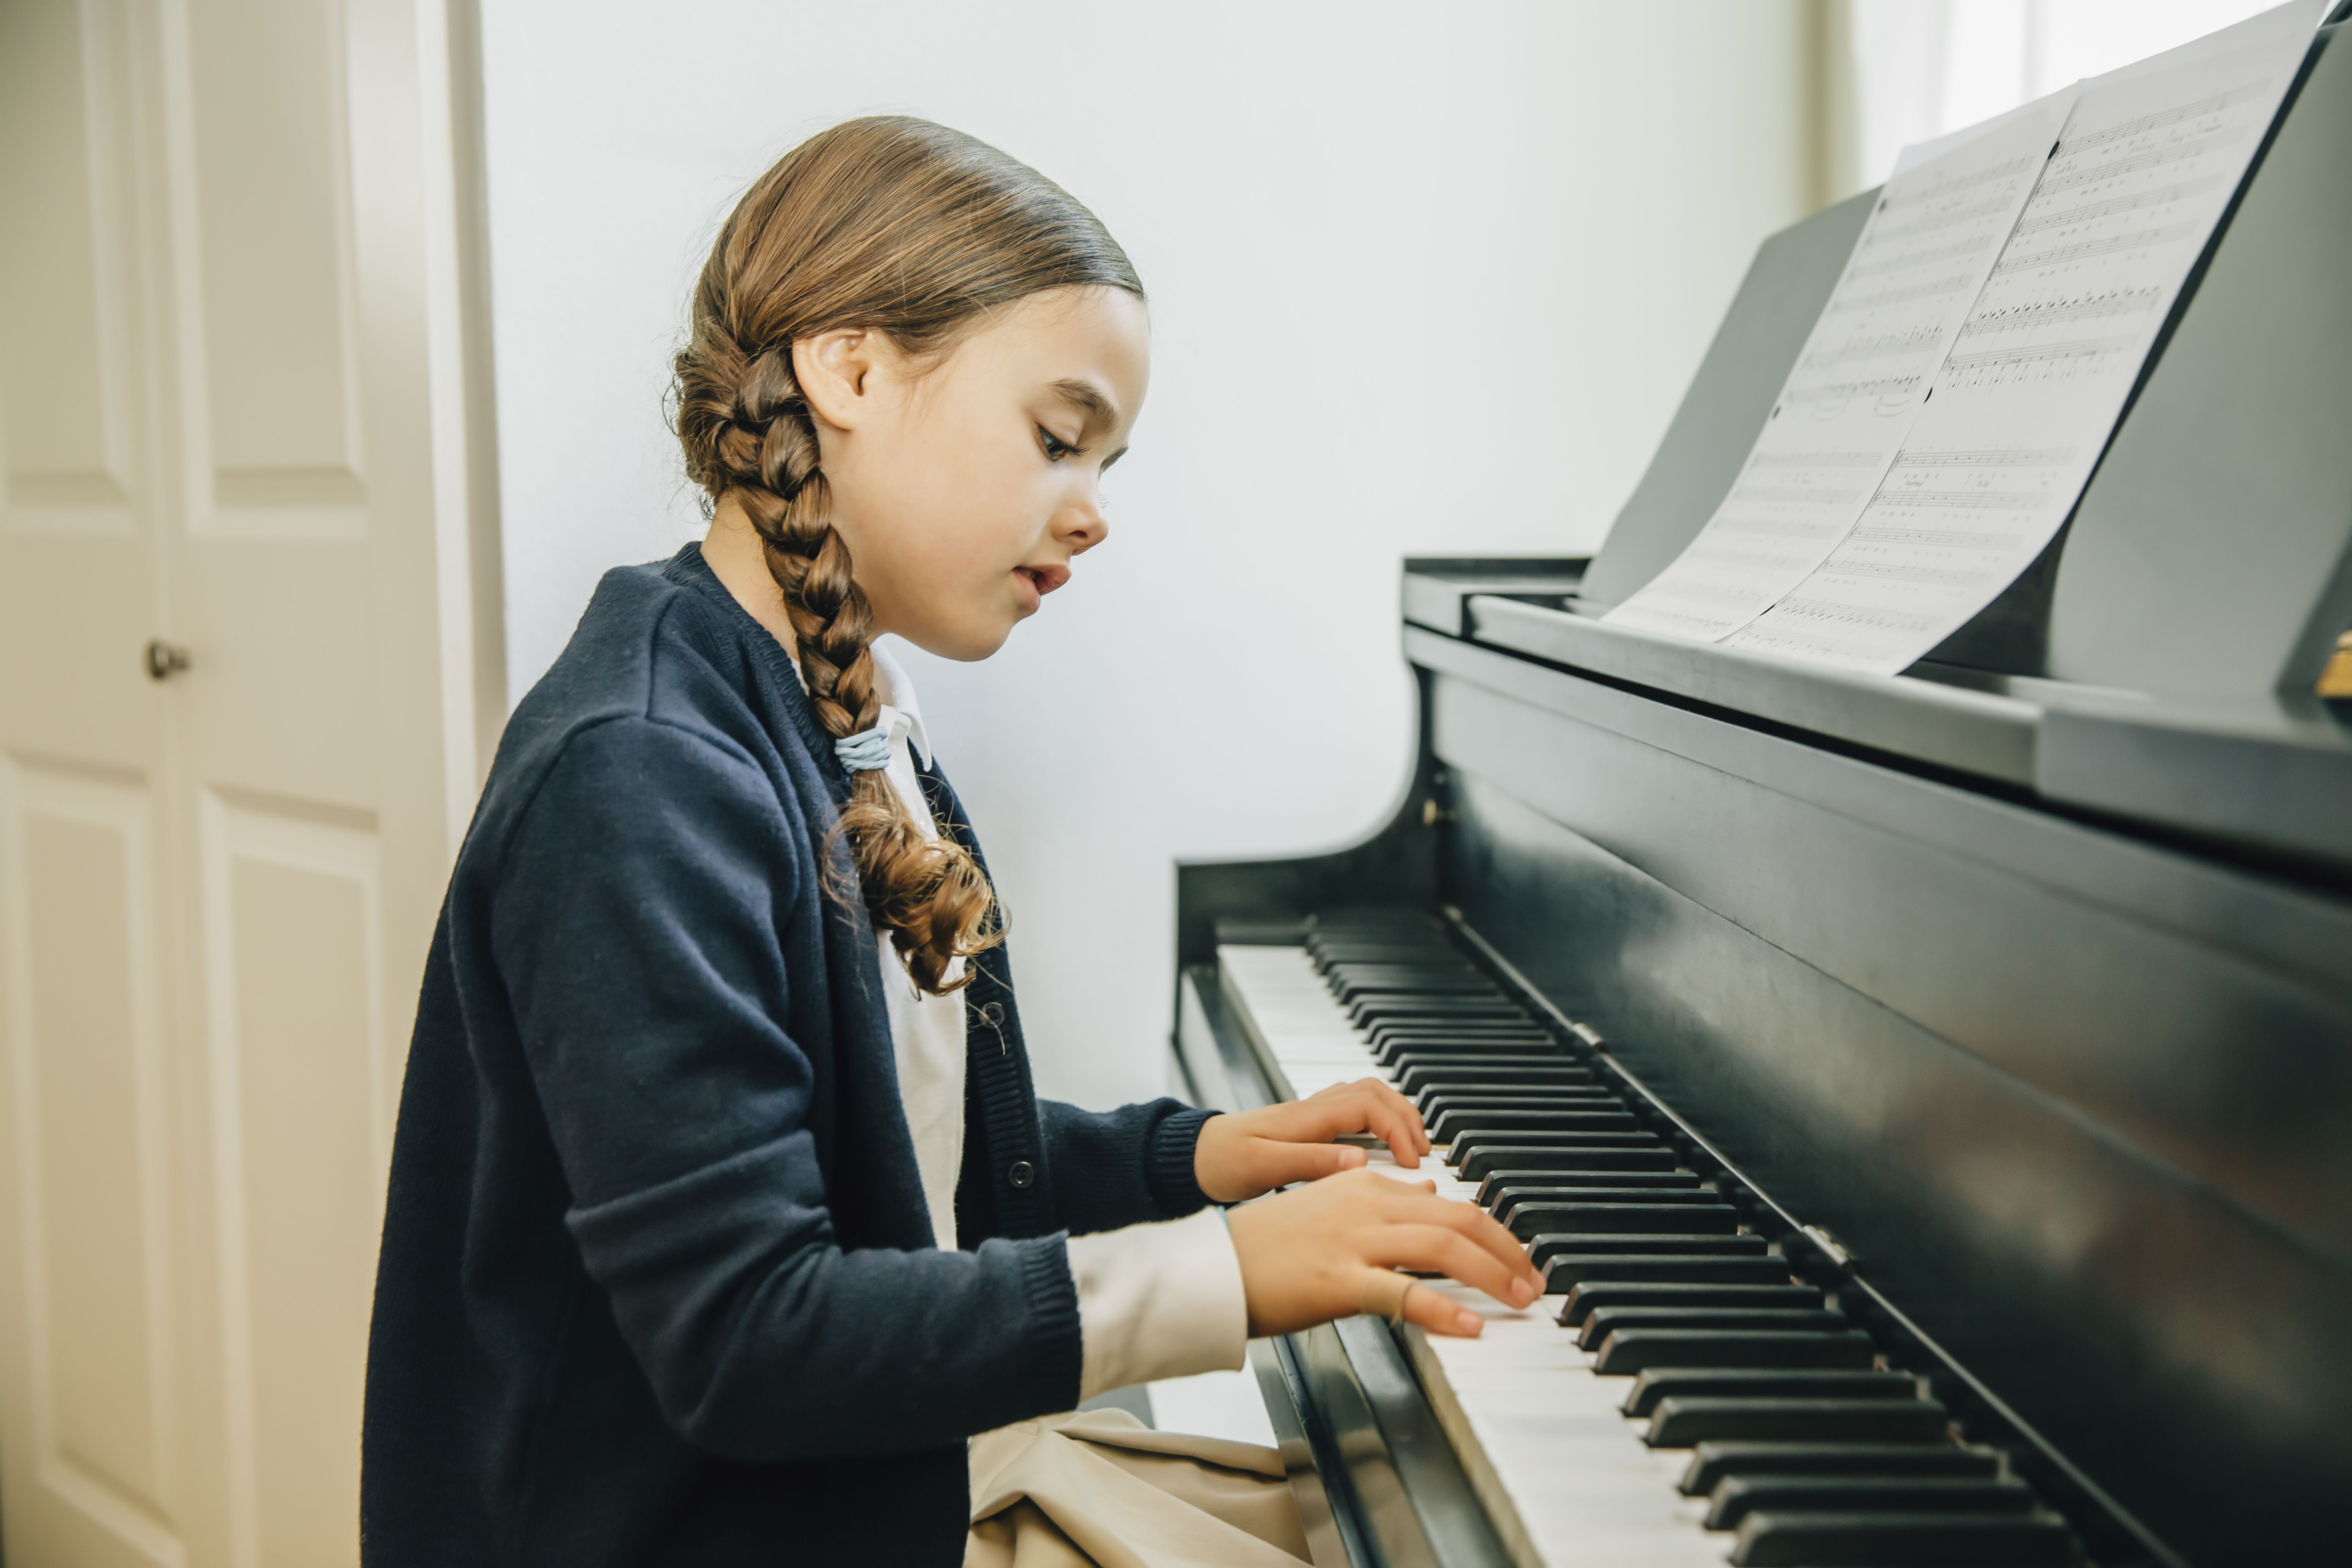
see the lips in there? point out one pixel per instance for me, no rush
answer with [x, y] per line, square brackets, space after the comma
[1045, 579]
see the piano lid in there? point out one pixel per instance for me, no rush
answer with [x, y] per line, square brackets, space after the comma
[2159, 663]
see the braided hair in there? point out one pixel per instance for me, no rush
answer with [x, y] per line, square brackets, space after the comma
[885, 224]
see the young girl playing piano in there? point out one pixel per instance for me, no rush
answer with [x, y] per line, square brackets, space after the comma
[721, 1212]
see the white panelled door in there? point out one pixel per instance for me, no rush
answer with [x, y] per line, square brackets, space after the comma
[248, 644]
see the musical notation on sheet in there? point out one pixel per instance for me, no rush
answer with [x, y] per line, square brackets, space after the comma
[1857, 385]
[2035, 381]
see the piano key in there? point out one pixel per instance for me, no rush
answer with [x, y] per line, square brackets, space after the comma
[1600, 1323]
[1518, 1071]
[1594, 1296]
[1712, 1462]
[1562, 1270]
[1739, 1496]
[1586, 1482]
[1438, 1101]
[1606, 1187]
[1621, 1352]
[1657, 1384]
[1679, 1422]
[1531, 1220]
[1495, 1183]
[1897, 1541]
[1456, 1124]
[1638, 1153]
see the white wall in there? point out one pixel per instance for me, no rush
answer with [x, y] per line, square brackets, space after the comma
[1424, 280]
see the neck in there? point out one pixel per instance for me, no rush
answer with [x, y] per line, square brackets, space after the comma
[735, 555]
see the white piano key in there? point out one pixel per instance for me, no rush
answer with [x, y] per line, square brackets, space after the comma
[1527, 1416]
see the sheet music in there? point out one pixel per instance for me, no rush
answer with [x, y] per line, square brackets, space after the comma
[1858, 382]
[2022, 408]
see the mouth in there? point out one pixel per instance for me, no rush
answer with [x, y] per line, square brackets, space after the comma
[1042, 579]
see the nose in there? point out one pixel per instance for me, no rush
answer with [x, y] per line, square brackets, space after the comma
[1081, 525]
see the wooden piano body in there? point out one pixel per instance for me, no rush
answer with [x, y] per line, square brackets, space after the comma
[2025, 976]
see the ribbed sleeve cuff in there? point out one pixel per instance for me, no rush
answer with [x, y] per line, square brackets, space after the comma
[1052, 1294]
[1167, 1163]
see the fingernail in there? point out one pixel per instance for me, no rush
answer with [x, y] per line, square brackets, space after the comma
[1521, 1292]
[1468, 1323]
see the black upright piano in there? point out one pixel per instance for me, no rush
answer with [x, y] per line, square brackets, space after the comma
[1991, 1023]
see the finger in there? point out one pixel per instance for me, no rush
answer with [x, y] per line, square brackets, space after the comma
[1388, 1095]
[1476, 1225]
[1400, 1131]
[1429, 1248]
[1272, 1163]
[1440, 1315]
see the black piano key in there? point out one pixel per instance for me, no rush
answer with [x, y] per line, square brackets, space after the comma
[1492, 1160]
[1459, 1123]
[1739, 1496]
[1902, 1541]
[1441, 1101]
[1600, 1323]
[1712, 1462]
[1400, 1057]
[1467, 1147]
[1428, 1069]
[1558, 1180]
[1683, 1420]
[1655, 1385]
[1429, 989]
[1781, 1296]
[1441, 1096]
[1563, 1271]
[1511, 1202]
[1627, 1351]
[1531, 1220]
[1519, 1072]
[1543, 1249]
[1437, 1012]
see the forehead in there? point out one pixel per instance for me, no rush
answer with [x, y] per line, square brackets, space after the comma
[1091, 334]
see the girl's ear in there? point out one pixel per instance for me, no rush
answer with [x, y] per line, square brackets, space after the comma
[836, 373]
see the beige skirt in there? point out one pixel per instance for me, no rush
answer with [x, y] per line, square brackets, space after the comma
[1100, 1487]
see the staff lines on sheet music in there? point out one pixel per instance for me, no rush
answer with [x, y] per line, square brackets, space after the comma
[2059, 254]
[2216, 104]
[2138, 161]
[1815, 460]
[1792, 495]
[2091, 212]
[1999, 367]
[1839, 613]
[1947, 538]
[2027, 315]
[1936, 223]
[1921, 339]
[1968, 246]
[1906, 295]
[1899, 571]
[1892, 391]
[1960, 501]
[1983, 457]
[1946, 188]
[1731, 523]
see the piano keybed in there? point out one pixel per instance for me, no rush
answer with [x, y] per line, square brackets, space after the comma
[1686, 1392]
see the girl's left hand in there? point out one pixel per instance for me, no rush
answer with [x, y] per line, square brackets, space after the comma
[1243, 1154]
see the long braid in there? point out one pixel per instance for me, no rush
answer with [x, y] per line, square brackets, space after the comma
[904, 226]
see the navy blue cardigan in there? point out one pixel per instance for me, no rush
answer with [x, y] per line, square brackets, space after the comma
[658, 1283]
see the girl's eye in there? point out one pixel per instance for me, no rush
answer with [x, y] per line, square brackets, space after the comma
[1056, 447]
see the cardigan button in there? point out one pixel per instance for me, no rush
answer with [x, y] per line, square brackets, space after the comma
[1022, 1175]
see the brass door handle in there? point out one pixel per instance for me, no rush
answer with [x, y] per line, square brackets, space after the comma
[165, 659]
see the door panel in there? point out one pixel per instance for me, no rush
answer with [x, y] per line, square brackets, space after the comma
[92, 1157]
[302, 1097]
[244, 413]
[271, 378]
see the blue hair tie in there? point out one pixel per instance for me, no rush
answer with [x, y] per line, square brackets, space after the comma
[867, 752]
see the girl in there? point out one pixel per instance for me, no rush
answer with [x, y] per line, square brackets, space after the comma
[721, 1211]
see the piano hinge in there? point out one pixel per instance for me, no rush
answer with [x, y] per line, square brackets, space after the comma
[2335, 681]
[1832, 1247]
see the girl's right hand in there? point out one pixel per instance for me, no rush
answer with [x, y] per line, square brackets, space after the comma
[1318, 1252]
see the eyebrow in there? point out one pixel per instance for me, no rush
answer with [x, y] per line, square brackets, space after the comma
[1089, 399]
